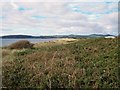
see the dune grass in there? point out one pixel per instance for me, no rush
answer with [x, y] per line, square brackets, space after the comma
[82, 63]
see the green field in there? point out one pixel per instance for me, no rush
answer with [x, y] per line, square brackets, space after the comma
[82, 63]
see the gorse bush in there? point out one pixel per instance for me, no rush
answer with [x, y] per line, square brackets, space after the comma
[21, 44]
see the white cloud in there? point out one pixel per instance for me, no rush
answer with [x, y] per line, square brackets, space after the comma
[14, 5]
[58, 18]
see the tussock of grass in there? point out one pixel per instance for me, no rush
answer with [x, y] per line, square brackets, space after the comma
[85, 63]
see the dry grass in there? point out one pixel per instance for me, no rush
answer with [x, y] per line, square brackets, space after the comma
[55, 42]
[5, 52]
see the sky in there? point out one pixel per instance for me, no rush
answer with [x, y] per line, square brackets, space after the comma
[58, 18]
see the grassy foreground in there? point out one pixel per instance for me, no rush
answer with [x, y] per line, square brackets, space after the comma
[82, 63]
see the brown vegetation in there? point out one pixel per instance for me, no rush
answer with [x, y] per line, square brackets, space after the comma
[20, 45]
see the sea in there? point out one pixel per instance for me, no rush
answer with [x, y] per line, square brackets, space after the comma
[7, 42]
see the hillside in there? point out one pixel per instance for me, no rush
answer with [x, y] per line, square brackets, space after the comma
[81, 63]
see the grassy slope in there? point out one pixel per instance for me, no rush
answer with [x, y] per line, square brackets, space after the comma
[85, 63]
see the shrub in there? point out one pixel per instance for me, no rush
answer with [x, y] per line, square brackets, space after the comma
[21, 44]
[24, 52]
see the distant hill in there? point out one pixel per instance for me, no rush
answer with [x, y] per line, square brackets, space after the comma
[99, 35]
[57, 36]
[25, 36]
[17, 36]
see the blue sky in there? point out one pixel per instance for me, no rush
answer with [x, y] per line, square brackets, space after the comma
[59, 18]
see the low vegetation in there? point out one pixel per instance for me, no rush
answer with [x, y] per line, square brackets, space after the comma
[82, 63]
[21, 44]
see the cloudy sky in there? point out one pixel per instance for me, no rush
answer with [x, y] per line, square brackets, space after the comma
[59, 18]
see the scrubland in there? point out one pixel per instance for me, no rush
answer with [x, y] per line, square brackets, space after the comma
[81, 63]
